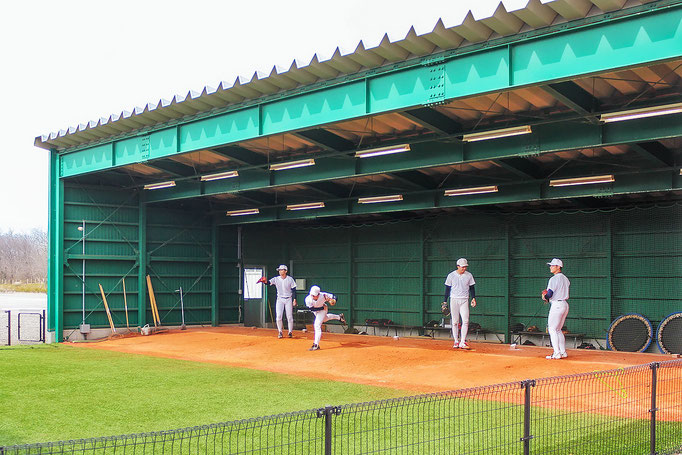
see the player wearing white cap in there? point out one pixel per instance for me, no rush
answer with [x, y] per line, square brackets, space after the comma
[317, 302]
[459, 286]
[557, 295]
[286, 298]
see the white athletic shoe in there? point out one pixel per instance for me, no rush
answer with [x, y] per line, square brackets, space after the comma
[553, 357]
[563, 355]
[455, 346]
[464, 345]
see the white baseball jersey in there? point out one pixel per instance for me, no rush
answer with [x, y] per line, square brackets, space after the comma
[459, 284]
[559, 285]
[284, 286]
[319, 303]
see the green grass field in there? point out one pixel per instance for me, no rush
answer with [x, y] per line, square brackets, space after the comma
[24, 287]
[57, 392]
[54, 392]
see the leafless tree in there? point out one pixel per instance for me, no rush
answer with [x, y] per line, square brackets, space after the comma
[23, 257]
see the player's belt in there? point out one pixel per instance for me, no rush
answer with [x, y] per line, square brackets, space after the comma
[316, 308]
[284, 297]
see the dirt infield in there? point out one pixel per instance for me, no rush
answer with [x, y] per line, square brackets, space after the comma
[416, 364]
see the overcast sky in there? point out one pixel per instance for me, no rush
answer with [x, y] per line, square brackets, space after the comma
[68, 62]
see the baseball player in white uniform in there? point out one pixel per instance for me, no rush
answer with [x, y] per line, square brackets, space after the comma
[286, 298]
[459, 285]
[317, 302]
[557, 295]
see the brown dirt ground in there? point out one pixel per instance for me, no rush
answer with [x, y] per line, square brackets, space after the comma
[420, 365]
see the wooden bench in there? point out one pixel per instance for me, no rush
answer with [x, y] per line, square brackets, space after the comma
[517, 337]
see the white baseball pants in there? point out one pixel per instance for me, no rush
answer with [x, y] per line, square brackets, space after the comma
[321, 317]
[282, 304]
[555, 321]
[459, 308]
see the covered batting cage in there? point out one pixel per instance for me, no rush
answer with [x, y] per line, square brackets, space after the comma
[551, 130]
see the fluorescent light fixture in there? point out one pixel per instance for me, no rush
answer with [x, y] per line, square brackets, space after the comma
[468, 191]
[158, 186]
[243, 212]
[219, 176]
[379, 199]
[505, 132]
[583, 180]
[291, 165]
[382, 151]
[307, 206]
[642, 113]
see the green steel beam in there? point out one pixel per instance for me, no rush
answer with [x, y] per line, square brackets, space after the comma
[520, 167]
[215, 284]
[326, 139]
[655, 152]
[545, 138]
[142, 261]
[638, 36]
[172, 167]
[625, 183]
[241, 155]
[575, 97]
[433, 120]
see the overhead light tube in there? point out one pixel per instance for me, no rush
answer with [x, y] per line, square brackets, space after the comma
[645, 112]
[291, 165]
[468, 191]
[307, 206]
[583, 180]
[219, 176]
[380, 199]
[158, 186]
[382, 151]
[242, 212]
[495, 134]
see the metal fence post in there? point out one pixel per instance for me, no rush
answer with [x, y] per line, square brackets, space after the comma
[526, 385]
[9, 328]
[327, 412]
[654, 378]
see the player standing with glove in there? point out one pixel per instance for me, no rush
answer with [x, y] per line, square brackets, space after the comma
[286, 298]
[459, 285]
[317, 302]
[557, 295]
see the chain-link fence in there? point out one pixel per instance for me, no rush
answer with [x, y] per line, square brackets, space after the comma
[633, 410]
[22, 327]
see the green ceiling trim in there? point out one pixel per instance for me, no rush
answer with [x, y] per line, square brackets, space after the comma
[546, 138]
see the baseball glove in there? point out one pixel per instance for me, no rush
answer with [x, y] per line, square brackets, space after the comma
[544, 295]
[445, 309]
[262, 280]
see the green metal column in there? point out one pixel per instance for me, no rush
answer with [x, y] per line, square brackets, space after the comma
[142, 258]
[350, 278]
[55, 280]
[507, 293]
[215, 284]
[609, 269]
[422, 275]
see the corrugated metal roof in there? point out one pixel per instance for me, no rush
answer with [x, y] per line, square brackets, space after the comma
[508, 18]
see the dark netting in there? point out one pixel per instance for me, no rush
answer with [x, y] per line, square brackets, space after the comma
[630, 333]
[670, 334]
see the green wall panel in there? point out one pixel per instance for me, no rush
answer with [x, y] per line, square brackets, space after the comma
[223, 129]
[110, 255]
[642, 274]
[477, 73]
[317, 108]
[163, 143]
[610, 45]
[89, 160]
